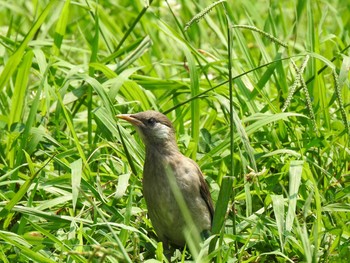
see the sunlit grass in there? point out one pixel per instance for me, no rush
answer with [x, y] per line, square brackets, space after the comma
[70, 184]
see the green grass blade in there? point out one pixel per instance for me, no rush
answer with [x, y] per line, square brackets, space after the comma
[295, 172]
[61, 27]
[77, 167]
[222, 203]
[62, 245]
[195, 103]
[23, 189]
[278, 209]
[25, 248]
[70, 125]
[20, 89]
[16, 58]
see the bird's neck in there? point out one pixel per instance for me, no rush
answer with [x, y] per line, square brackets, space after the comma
[162, 150]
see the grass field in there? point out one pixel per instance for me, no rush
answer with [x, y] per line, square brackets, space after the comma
[258, 92]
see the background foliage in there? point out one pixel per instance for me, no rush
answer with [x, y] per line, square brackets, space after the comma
[70, 185]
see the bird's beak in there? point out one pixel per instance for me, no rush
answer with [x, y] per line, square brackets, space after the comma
[130, 118]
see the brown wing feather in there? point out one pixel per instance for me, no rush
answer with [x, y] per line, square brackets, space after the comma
[204, 191]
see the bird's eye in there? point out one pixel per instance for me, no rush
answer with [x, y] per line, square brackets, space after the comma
[151, 121]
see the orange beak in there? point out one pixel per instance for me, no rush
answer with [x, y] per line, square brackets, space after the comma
[130, 118]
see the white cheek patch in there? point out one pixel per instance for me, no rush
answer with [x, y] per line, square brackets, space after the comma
[161, 131]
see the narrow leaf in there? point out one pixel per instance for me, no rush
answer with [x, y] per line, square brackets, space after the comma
[16, 58]
[295, 171]
[278, 209]
[77, 168]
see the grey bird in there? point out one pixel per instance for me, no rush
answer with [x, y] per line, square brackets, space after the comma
[163, 165]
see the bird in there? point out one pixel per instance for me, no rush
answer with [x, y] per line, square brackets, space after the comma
[164, 164]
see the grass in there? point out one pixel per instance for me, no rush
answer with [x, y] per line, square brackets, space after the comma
[275, 150]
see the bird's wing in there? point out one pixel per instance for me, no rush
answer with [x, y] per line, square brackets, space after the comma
[204, 191]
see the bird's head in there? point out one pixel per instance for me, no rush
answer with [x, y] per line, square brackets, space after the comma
[154, 128]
